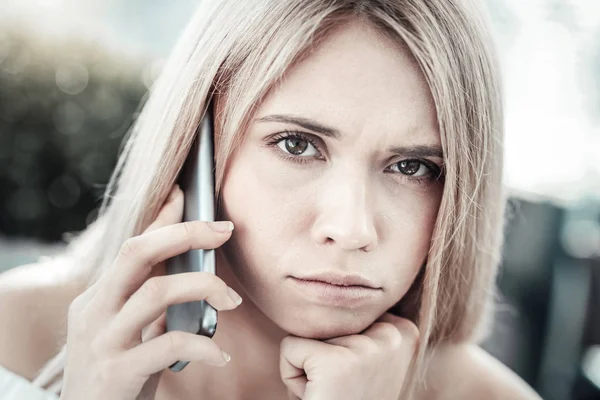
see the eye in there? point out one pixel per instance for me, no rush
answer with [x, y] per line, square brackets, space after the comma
[297, 146]
[412, 168]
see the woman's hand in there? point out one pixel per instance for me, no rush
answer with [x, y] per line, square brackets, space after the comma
[116, 340]
[370, 365]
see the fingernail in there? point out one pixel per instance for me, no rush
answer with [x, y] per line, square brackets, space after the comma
[237, 299]
[221, 226]
[226, 356]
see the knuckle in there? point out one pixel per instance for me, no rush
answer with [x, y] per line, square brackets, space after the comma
[153, 288]
[395, 340]
[212, 284]
[391, 333]
[410, 330]
[188, 228]
[131, 246]
[82, 300]
[387, 329]
[369, 345]
[78, 324]
[214, 281]
[175, 342]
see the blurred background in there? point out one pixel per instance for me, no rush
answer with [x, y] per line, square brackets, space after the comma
[72, 74]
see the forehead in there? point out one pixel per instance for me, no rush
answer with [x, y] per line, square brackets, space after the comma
[357, 79]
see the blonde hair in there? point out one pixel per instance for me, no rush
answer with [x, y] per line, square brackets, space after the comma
[240, 49]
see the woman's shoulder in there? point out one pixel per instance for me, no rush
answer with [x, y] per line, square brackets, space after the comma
[466, 371]
[34, 301]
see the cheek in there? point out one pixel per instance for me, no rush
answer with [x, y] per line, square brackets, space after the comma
[408, 227]
[411, 209]
[265, 206]
[417, 217]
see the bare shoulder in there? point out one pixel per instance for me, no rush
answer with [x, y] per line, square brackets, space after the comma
[34, 301]
[466, 371]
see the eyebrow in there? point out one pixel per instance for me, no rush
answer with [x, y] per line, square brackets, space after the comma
[303, 122]
[311, 125]
[419, 151]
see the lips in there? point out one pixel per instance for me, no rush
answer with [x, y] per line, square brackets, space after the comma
[335, 290]
[337, 279]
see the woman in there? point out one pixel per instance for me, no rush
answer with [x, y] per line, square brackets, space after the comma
[358, 143]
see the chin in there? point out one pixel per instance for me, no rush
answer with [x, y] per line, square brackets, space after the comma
[325, 324]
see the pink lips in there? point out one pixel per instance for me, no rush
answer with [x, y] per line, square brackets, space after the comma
[337, 290]
[339, 280]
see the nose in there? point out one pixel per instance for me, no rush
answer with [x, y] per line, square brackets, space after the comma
[344, 217]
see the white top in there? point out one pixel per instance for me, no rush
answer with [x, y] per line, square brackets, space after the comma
[15, 387]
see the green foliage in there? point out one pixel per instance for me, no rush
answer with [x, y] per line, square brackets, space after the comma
[64, 108]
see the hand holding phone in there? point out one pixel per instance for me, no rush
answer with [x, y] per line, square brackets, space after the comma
[116, 341]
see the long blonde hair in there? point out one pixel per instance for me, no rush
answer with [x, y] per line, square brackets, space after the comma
[240, 49]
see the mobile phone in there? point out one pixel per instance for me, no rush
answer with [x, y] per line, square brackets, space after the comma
[196, 180]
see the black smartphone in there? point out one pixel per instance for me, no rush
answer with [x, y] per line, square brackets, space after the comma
[196, 180]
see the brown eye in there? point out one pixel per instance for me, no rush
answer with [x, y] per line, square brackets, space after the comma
[411, 168]
[296, 146]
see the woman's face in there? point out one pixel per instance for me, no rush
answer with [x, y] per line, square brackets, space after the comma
[337, 174]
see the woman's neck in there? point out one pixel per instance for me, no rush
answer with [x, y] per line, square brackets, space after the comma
[251, 339]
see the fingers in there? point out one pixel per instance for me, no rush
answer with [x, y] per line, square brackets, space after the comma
[295, 355]
[389, 332]
[152, 299]
[116, 307]
[171, 212]
[409, 331]
[164, 350]
[296, 387]
[139, 254]
[382, 335]
[155, 328]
